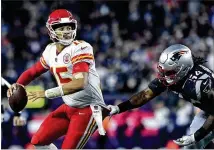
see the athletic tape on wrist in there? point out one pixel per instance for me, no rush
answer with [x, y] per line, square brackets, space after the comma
[54, 92]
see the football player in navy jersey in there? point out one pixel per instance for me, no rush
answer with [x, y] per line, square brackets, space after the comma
[185, 75]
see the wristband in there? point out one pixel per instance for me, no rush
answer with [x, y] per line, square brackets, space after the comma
[54, 92]
[127, 105]
[200, 134]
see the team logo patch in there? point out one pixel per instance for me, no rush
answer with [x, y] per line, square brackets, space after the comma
[66, 58]
[176, 56]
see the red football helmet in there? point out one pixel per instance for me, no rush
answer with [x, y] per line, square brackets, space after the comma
[59, 18]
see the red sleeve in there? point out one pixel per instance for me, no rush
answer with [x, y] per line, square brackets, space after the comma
[30, 74]
[80, 67]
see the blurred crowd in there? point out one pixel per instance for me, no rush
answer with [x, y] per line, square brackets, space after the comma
[127, 37]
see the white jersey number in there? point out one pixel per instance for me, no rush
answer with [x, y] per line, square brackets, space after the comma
[59, 73]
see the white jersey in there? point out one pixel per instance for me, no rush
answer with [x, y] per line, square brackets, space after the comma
[61, 67]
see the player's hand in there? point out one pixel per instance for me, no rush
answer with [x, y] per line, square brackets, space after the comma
[11, 89]
[113, 109]
[32, 96]
[19, 121]
[185, 140]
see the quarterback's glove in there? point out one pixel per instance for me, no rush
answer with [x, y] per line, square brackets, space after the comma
[18, 120]
[185, 140]
[113, 109]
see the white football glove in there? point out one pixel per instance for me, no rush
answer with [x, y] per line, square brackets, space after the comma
[185, 140]
[113, 109]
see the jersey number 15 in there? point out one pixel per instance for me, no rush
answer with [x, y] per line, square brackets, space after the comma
[58, 71]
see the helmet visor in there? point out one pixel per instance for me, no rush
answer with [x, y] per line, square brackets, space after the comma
[71, 24]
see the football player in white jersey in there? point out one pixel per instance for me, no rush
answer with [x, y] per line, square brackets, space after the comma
[72, 64]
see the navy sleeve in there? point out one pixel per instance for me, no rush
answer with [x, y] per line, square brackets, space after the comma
[206, 86]
[207, 83]
[157, 87]
[206, 95]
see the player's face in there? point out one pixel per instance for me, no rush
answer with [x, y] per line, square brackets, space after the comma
[64, 32]
[169, 76]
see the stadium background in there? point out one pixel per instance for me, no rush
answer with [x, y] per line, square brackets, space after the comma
[127, 37]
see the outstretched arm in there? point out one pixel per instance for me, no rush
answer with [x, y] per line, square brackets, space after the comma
[137, 100]
[154, 89]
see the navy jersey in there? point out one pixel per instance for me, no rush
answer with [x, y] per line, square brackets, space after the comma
[193, 88]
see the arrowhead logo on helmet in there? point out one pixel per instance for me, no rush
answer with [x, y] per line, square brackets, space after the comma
[59, 18]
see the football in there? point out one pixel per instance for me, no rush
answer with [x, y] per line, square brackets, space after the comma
[19, 99]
